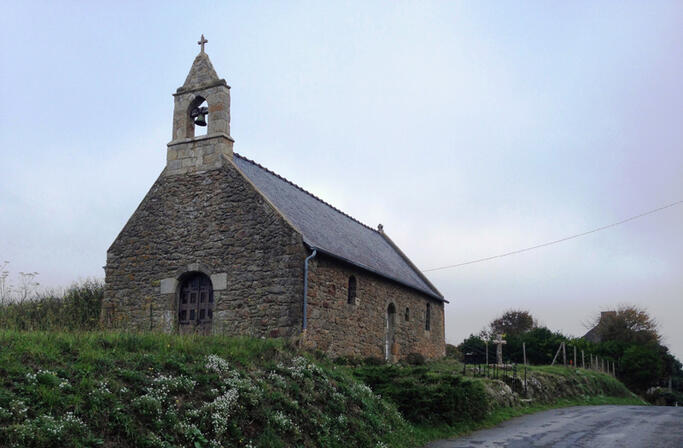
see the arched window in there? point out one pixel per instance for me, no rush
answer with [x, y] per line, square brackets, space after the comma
[407, 314]
[428, 317]
[195, 307]
[352, 290]
[391, 324]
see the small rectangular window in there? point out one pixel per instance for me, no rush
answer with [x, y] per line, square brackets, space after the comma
[201, 314]
[351, 299]
[191, 314]
[428, 317]
[183, 315]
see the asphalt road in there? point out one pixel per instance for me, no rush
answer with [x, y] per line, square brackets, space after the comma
[584, 427]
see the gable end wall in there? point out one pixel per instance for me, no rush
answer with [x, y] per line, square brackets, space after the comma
[214, 222]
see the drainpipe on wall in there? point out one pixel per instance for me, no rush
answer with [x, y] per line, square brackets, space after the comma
[305, 321]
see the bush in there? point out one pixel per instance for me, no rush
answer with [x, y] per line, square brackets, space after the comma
[639, 366]
[427, 396]
[347, 361]
[374, 361]
[662, 397]
[415, 359]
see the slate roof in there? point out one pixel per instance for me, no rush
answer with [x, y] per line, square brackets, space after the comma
[332, 232]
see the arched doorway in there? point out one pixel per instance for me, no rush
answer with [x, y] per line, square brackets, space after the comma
[195, 304]
[390, 328]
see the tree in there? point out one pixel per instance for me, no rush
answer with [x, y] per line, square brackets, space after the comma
[453, 352]
[473, 350]
[641, 367]
[512, 323]
[541, 345]
[630, 324]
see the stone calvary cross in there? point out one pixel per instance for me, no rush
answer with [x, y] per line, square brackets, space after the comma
[201, 42]
[499, 349]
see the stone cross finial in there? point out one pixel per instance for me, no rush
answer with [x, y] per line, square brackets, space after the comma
[201, 42]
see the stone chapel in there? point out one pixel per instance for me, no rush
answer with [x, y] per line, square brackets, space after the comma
[222, 245]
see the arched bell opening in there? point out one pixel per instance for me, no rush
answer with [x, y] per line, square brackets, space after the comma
[195, 303]
[390, 332]
[197, 117]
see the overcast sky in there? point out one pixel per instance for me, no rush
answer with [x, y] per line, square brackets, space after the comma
[467, 128]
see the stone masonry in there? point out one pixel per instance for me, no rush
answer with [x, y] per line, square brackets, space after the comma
[218, 224]
[358, 329]
[204, 215]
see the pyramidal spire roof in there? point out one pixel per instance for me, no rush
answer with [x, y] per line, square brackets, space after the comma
[202, 74]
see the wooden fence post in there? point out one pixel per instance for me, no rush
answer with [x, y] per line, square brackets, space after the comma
[556, 353]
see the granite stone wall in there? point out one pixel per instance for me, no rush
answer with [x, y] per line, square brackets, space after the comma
[359, 329]
[217, 223]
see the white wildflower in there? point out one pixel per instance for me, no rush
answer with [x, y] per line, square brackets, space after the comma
[284, 422]
[19, 408]
[222, 409]
[217, 364]
[276, 379]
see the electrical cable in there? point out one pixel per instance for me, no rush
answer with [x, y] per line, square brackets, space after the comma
[538, 246]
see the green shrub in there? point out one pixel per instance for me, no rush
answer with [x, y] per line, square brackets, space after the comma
[427, 396]
[415, 359]
[662, 397]
[639, 365]
[374, 361]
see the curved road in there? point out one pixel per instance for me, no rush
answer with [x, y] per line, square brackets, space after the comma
[584, 427]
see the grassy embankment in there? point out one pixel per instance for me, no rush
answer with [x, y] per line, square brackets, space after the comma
[62, 389]
[419, 395]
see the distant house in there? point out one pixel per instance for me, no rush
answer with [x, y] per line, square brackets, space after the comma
[222, 245]
[594, 334]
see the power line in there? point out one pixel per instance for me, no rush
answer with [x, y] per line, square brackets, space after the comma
[519, 251]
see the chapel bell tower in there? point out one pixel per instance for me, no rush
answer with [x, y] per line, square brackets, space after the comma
[203, 100]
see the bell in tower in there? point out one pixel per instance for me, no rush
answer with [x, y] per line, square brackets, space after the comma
[199, 115]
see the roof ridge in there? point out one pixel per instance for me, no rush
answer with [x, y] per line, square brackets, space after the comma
[305, 191]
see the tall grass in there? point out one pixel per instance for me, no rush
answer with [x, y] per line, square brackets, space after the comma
[78, 308]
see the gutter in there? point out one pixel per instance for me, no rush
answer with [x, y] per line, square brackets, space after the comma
[305, 320]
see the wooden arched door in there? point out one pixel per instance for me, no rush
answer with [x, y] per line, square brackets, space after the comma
[195, 307]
